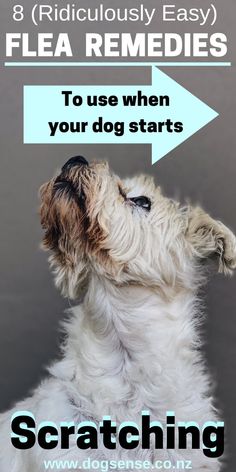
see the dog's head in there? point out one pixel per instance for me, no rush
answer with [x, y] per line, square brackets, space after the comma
[124, 230]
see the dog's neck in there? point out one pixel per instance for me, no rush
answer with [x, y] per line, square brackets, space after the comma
[131, 313]
[125, 339]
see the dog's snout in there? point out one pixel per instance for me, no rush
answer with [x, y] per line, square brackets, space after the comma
[74, 161]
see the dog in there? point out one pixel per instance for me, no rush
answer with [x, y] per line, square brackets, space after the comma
[136, 259]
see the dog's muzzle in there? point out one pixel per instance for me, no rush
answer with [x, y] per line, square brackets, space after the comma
[74, 161]
[64, 184]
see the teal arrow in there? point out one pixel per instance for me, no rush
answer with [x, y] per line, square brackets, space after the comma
[46, 104]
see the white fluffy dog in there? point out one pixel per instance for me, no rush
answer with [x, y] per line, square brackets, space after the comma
[136, 258]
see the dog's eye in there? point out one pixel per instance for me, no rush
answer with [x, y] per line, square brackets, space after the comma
[143, 202]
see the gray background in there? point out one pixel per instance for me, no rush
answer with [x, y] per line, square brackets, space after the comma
[202, 169]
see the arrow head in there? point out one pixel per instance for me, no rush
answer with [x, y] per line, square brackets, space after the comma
[184, 108]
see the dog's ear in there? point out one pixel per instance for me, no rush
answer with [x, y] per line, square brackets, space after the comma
[61, 222]
[209, 237]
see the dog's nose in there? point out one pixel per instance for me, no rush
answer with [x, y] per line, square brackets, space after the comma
[74, 161]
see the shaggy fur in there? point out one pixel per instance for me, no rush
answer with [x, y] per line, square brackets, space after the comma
[133, 343]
